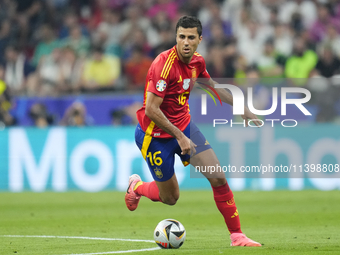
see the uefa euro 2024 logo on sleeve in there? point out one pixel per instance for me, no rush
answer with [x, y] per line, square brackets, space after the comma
[238, 104]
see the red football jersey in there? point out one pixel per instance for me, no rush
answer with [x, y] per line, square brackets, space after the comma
[171, 79]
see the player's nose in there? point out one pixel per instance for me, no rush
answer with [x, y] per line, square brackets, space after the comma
[186, 42]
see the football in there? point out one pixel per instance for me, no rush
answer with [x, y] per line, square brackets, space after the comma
[169, 234]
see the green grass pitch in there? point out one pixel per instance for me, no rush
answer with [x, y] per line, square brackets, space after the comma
[285, 222]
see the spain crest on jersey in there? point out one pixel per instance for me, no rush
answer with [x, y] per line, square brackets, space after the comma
[194, 74]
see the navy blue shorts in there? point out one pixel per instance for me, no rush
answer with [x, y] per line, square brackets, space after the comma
[159, 153]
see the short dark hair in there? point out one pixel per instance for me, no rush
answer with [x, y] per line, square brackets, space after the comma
[189, 22]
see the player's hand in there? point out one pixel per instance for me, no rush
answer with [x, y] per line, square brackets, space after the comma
[192, 149]
[248, 115]
[187, 146]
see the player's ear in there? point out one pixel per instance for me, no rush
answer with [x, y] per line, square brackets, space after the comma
[200, 39]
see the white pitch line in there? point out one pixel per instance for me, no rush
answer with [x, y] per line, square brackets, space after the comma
[94, 238]
[83, 237]
[115, 252]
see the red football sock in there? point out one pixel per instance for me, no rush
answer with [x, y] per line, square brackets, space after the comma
[149, 190]
[224, 200]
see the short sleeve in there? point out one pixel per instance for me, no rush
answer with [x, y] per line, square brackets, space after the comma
[158, 77]
[204, 73]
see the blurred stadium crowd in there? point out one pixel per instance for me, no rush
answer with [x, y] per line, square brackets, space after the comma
[56, 48]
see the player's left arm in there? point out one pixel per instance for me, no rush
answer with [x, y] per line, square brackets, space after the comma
[226, 97]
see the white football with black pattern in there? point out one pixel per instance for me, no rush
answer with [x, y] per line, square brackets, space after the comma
[169, 234]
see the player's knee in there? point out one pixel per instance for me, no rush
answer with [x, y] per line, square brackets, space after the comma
[215, 182]
[170, 200]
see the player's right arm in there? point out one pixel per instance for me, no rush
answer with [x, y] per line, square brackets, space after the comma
[153, 111]
[158, 83]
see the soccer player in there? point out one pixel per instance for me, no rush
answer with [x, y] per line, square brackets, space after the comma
[165, 129]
